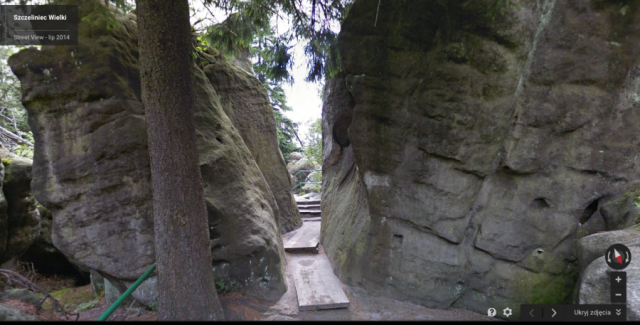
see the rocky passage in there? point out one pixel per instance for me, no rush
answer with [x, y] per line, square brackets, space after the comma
[465, 151]
[472, 158]
[316, 285]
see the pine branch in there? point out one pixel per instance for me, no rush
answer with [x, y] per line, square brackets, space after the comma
[214, 18]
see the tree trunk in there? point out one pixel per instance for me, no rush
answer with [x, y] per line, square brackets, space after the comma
[186, 287]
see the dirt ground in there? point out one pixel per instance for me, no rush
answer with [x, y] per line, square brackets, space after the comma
[82, 304]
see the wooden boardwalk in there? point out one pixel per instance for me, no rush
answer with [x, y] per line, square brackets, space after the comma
[305, 238]
[317, 286]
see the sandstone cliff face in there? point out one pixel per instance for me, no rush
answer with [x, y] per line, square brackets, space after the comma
[91, 165]
[463, 156]
[22, 223]
[246, 102]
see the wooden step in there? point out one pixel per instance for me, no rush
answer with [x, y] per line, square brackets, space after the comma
[309, 207]
[303, 239]
[316, 284]
[306, 202]
[309, 211]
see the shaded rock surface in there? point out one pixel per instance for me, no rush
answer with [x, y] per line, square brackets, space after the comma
[246, 102]
[46, 258]
[91, 164]
[22, 217]
[463, 154]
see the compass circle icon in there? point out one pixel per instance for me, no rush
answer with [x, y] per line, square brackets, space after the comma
[618, 256]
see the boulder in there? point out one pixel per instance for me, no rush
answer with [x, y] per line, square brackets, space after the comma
[23, 219]
[301, 164]
[463, 150]
[595, 285]
[246, 102]
[8, 313]
[594, 246]
[20, 294]
[91, 164]
[295, 156]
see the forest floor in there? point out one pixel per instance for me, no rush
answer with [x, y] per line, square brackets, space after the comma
[363, 306]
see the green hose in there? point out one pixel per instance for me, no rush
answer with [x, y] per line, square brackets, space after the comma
[126, 294]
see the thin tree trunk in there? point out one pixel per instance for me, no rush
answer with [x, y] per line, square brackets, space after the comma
[186, 287]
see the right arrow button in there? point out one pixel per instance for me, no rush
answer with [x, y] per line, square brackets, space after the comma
[553, 313]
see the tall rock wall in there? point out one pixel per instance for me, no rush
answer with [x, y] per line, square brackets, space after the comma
[22, 217]
[91, 164]
[465, 151]
[246, 102]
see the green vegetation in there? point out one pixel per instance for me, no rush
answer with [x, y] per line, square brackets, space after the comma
[636, 202]
[13, 116]
[313, 150]
[497, 7]
[222, 288]
[249, 31]
[311, 20]
[87, 305]
[6, 162]
[75, 298]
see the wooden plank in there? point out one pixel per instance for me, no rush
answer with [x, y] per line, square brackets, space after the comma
[305, 238]
[316, 285]
[302, 202]
[309, 211]
[310, 206]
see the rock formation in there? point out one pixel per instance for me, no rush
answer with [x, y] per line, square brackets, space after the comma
[246, 102]
[298, 162]
[91, 165]
[46, 258]
[20, 225]
[465, 150]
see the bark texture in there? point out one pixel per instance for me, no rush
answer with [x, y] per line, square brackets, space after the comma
[186, 287]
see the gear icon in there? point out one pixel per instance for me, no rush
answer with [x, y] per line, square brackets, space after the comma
[506, 312]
